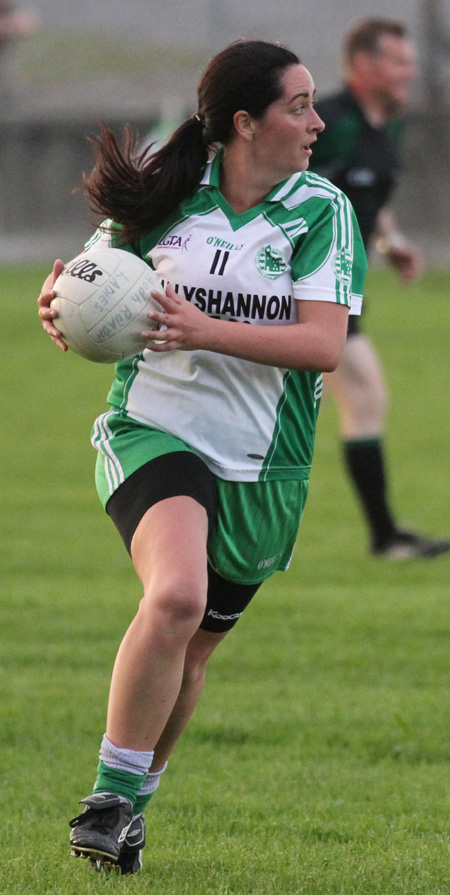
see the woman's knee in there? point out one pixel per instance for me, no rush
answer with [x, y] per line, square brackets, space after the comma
[176, 603]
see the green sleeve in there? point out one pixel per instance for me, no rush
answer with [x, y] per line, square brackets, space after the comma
[329, 262]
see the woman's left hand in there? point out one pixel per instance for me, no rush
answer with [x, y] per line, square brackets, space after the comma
[184, 326]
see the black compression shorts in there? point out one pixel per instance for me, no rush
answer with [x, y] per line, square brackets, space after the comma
[353, 328]
[171, 475]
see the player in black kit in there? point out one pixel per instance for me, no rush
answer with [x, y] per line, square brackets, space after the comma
[359, 152]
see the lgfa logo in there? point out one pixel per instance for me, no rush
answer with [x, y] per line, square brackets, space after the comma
[175, 242]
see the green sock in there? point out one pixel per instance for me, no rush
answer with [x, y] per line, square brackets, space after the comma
[142, 802]
[148, 789]
[120, 782]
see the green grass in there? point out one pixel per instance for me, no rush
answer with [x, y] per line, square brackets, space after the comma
[318, 759]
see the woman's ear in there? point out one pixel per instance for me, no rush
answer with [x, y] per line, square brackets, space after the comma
[244, 125]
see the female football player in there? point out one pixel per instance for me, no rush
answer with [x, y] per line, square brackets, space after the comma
[205, 451]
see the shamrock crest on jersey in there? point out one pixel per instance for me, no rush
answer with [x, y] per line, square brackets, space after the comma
[270, 263]
[342, 266]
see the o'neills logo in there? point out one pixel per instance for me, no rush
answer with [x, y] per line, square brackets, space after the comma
[270, 263]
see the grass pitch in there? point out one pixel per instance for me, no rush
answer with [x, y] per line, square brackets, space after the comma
[318, 759]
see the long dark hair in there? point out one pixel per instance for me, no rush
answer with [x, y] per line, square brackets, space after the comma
[139, 191]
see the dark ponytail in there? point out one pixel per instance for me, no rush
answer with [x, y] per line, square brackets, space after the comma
[140, 191]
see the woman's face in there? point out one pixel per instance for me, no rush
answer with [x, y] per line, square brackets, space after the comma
[284, 135]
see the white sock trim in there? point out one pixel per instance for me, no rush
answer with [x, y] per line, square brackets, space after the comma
[125, 759]
[152, 781]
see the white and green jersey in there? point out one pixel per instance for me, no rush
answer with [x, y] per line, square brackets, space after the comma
[248, 421]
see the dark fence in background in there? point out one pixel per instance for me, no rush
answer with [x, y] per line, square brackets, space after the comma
[41, 163]
[42, 160]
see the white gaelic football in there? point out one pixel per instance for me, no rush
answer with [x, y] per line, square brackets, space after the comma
[102, 298]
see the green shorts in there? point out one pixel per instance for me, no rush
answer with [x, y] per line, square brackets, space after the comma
[254, 530]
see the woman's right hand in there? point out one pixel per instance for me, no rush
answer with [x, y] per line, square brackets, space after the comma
[46, 313]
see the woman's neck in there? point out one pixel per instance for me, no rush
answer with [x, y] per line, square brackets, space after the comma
[241, 182]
